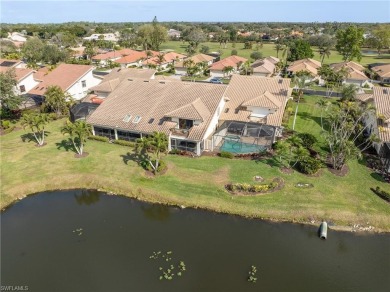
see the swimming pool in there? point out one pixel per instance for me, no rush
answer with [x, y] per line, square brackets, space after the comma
[239, 147]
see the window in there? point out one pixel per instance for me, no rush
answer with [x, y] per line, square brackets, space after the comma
[185, 124]
[136, 119]
[127, 118]
[84, 83]
[22, 88]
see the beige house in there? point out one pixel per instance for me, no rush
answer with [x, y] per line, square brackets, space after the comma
[265, 67]
[308, 65]
[199, 58]
[383, 72]
[187, 112]
[217, 68]
[355, 73]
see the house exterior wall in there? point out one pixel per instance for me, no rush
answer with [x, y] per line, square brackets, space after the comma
[181, 71]
[214, 121]
[262, 74]
[77, 91]
[216, 73]
[28, 83]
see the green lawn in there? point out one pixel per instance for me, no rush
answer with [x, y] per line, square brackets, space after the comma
[268, 50]
[195, 182]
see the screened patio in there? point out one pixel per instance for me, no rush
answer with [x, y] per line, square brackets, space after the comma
[241, 137]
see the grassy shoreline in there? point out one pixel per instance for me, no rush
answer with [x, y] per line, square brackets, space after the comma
[192, 182]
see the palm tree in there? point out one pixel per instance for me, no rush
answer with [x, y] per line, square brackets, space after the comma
[278, 48]
[157, 144]
[286, 52]
[55, 100]
[324, 51]
[78, 132]
[227, 70]
[246, 67]
[323, 104]
[348, 92]
[160, 58]
[300, 83]
[36, 123]
[189, 64]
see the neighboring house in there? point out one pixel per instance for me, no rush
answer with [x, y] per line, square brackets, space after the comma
[216, 69]
[75, 80]
[173, 33]
[11, 63]
[380, 123]
[116, 76]
[103, 59]
[254, 110]
[383, 72]
[134, 58]
[355, 73]
[24, 78]
[186, 112]
[309, 65]
[17, 37]
[169, 58]
[265, 67]
[199, 58]
[112, 37]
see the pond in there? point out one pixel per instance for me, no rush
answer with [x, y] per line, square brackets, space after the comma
[369, 52]
[88, 241]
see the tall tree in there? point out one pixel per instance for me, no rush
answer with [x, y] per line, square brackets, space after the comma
[78, 132]
[323, 104]
[382, 37]
[324, 52]
[55, 100]
[278, 48]
[195, 37]
[344, 133]
[152, 35]
[348, 92]
[9, 100]
[156, 144]
[349, 42]
[32, 50]
[36, 123]
[300, 49]
[300, 83]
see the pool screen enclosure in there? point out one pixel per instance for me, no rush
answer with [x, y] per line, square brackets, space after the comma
[241, 137]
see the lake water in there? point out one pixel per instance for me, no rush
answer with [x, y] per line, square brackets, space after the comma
[88, 241]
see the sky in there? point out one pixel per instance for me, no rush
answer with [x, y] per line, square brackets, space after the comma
[56, 11]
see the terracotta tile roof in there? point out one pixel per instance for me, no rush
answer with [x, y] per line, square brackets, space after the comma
[199, 58]
[9, 63]
[263, 66]
[152, 100]
[40, 73]
[265, 100]
[64, 76]
[350, 64]
[308, 64]
[382, 70]
[117, 75]
[134, 57]
[168, 58]
[113, 54]
[229, 61]
[364, 96]
[242, 89]
[382, 105]
[272, 59]
[355, 70]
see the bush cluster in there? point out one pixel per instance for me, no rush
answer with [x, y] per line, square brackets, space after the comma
[124, 143]
[308, 140]
[5, 124]
[252, 188]
[226, 154]
[309, 165]
[98, 138]
[162, 165]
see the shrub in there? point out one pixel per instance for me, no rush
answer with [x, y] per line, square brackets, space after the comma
[382, 193]
[234, 52]
[5, 124]
[308, 140]
[256, 55]
[309, 165]
[98, 138]
[124, 143]
[226, 154]
[254, 188]
[162, 165]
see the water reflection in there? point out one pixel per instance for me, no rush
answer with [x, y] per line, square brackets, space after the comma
[87, 197]
[156, 212]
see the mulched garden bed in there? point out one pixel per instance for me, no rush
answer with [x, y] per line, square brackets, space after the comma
[85, 154]
[339, 172]
[280, 186]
